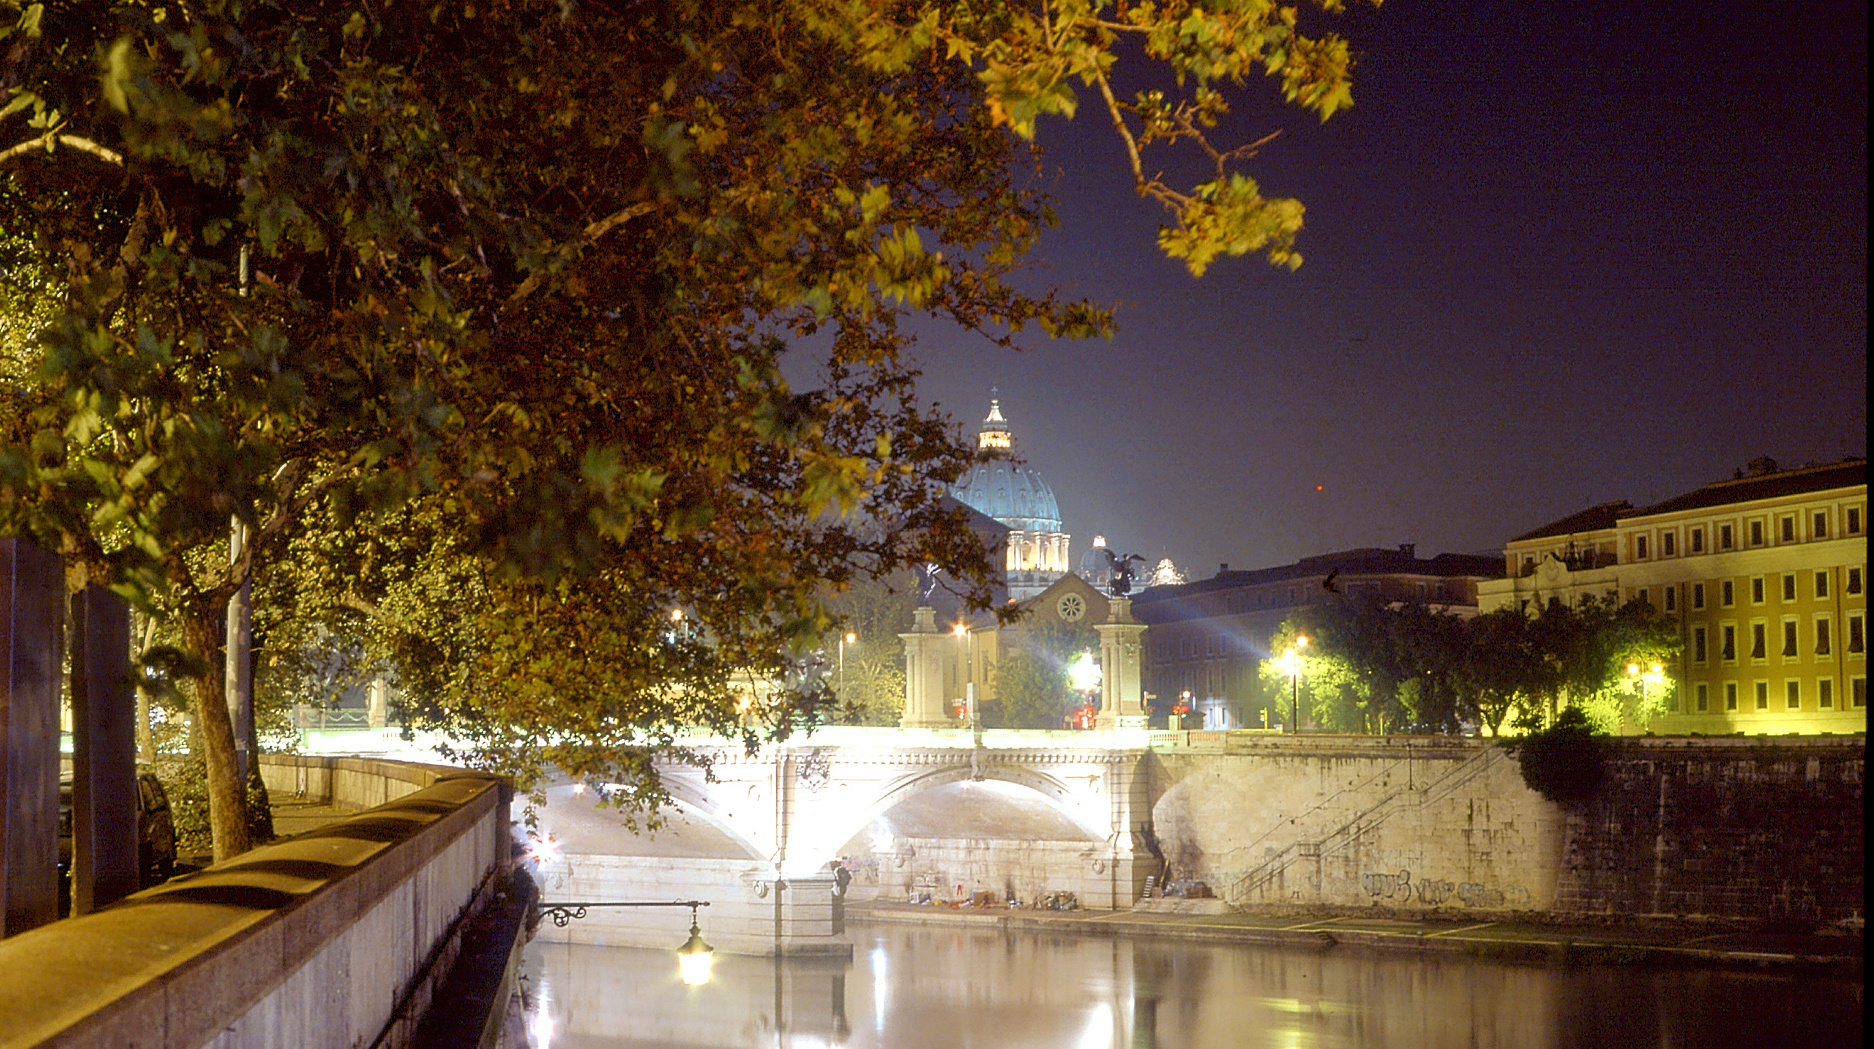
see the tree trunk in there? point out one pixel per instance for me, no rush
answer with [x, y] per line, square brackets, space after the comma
[227, 796]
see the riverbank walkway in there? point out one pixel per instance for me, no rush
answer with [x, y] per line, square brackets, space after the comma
[1526, 938]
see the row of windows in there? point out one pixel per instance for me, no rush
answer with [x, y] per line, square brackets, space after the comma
[1791, 698]
[1786, 527]
[1823, 635]
[1786, 589]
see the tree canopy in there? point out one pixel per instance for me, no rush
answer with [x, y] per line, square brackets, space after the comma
[1370, 666]
[475, 314]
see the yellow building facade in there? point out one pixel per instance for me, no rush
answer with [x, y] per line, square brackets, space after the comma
[1764, 574]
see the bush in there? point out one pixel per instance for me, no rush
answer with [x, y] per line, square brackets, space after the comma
[1566, 761]
[185, 780]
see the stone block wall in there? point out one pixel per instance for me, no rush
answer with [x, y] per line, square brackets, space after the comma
[1754, 827]
[1403, 822]
[1735, 827]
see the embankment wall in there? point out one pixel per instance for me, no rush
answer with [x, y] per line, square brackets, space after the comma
[1746, 827]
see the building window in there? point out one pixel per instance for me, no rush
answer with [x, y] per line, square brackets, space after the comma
[1725, 540]
[1728, 650]
[1857, 691]
[1789, 586]
[1821, 585]
[1668, 544]
[1671, 594]
[1821, 524]
[1698, 540]
[1854, 520]
[1698, 646]
[1762, 689]
[1756, 590]
[1639, 548]
[1727, 596]
[1854, 635]
[1789, 639]
[1854, 580]
[1787, 528]
[1698, 595]
[1704, 697]
[1756, 533]
[1730, 695]
[1823, 636]
[1792, 694]
[1759, 641]
[1825, 694]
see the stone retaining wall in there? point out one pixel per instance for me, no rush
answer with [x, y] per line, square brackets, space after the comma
[1738, 827]
[331, 938]
[1732, 826]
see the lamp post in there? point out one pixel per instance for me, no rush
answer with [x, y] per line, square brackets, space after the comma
[968, 649]
[1641, 680]
[1084, 676]
[1291, 662]
[843, 639]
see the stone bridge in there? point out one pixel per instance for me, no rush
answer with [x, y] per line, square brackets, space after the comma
[903, 810]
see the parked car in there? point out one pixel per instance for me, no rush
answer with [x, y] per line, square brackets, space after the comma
[156, 831]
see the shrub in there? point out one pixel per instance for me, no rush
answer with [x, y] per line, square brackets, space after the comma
[1566, 761]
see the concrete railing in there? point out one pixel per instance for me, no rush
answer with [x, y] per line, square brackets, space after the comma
[335, 937]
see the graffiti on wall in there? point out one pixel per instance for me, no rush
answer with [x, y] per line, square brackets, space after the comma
[1434, 892]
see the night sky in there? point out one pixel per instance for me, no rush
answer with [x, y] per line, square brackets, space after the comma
[1557, 254]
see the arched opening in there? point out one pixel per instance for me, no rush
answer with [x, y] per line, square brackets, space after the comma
[971, 841]
[581, 823]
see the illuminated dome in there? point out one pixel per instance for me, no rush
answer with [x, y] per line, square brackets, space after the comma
[1010, 492]
[1015, 495]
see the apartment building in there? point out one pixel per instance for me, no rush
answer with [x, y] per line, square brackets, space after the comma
[1765, 575]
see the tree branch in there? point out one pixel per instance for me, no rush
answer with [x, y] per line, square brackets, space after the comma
[77, 142]
[591, 233]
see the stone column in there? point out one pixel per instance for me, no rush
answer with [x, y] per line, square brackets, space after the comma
[379, 711]
[924, 674]
[1121, 697]
[32, 629]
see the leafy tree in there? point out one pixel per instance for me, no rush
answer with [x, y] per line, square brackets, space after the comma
[1031, 680]
[1588, 647]
[872, 612]
[474, 316]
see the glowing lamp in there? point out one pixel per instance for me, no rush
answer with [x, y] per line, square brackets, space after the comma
[1085, 673]
[693, 958]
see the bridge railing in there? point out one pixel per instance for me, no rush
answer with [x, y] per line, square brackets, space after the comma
[333, 937]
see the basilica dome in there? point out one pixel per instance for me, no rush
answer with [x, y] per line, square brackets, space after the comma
[1015, 495]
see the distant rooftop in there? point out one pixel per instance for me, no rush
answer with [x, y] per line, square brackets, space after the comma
[1758, 479]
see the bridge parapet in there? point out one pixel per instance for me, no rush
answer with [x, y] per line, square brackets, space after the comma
[333, 937]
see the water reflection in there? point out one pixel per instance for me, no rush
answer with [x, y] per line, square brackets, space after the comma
[910, 987]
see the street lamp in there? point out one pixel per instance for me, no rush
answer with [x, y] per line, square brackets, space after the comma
[968, 639]
[1291, 663]
[1641, 680]
[1084, 676]
[843, 639]
[693, 958]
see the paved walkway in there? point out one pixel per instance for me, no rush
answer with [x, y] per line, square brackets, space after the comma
[1632, 942]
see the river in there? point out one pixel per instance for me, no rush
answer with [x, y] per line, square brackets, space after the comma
[912, 987]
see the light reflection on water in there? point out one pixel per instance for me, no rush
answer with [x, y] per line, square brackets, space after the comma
[916, 987]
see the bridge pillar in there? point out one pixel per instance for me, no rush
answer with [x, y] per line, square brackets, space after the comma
[924, 674]
[1121, 695]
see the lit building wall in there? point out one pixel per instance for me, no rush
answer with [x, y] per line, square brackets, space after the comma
[1765, 576]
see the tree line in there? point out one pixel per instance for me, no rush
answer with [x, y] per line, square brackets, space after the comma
[1374, 667]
